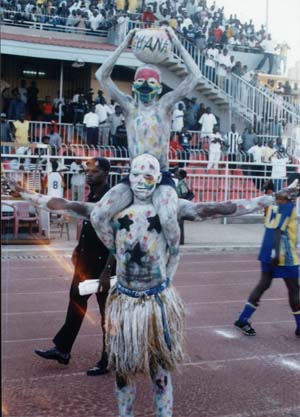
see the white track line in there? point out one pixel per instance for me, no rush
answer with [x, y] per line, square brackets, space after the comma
[186, 304]
[236, 284]
[186, 364]
[294, 365]
[270, 413]
[177, 274]
[190, 328]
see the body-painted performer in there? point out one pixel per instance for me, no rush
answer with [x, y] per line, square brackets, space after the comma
[279, 259]
[148, 123]
[144, 315]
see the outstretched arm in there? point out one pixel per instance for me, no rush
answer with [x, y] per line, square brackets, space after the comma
[188, 85]
[59, 205]
[103, 74]
[204, 211]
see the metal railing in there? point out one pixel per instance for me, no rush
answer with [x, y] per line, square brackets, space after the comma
[229, 180]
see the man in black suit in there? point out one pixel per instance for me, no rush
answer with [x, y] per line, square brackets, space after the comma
[90, 258]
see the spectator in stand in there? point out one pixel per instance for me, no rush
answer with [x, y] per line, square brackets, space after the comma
[54, 182]
[175, 148]
[104, 112]
[55, 140]
[32, 100]
[116, 119]
[275, 127]
[223, 68]
[257, 168]
[268, 47]
[47, 109]
[233, 141]
[177, 118]
[21, 131]
[215, 147]
[283, 53]
[77, 181]
[279, 146]
[185, 139]
[249, 138]
[22, 90]
[207, 122]
[278, 174]
[210, 62]
[287, 88]
[182, 192]
[80, 108]
[16, 108]
[148, 17]
[121, 135]
[91, 124]
[6, 133]
[268, 152]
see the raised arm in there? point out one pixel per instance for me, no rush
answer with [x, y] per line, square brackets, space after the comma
[187, 86]
[103, 74]
[59, 205]
[205, 211]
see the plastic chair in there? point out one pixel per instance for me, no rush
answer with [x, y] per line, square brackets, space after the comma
[9, 216]
[23, 214]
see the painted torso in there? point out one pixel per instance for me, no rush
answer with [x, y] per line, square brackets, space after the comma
[140, 247]
[148, 131]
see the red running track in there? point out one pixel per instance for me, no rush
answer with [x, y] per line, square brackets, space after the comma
[225, 374]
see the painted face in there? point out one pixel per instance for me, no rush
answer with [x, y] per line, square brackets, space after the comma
[144, 176]
[147, 84]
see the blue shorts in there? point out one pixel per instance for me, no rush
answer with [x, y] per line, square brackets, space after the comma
[281, 271]
[165, 180]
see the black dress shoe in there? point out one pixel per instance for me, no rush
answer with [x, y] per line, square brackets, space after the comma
[54, 354]
[100, 368]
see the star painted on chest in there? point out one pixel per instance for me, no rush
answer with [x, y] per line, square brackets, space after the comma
[136, 254]
[154, 224]
[125, 222]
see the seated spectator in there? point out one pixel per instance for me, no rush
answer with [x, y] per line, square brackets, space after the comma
[55, 140]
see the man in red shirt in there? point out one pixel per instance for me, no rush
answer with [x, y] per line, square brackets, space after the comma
[148, 16]
[47, 108]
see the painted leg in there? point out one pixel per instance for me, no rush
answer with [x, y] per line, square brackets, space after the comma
[162, 393]
[125, 394]
[111, 203]
[165, 201]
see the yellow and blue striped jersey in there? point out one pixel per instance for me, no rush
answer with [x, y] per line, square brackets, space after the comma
[281, 217]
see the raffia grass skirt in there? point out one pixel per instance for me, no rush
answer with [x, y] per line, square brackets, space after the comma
[134, 332]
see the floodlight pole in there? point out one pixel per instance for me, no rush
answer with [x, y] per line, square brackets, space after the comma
[267, 16]
[61, 83]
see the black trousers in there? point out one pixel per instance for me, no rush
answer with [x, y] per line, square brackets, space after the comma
[77, 308]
